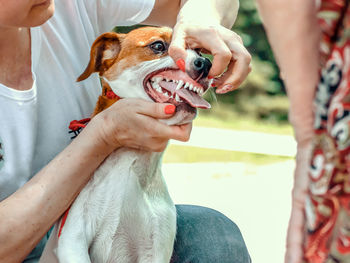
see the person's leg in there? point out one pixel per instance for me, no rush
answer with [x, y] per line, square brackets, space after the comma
[207, 236]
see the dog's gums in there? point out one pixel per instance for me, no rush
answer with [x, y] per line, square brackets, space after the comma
[176, 87]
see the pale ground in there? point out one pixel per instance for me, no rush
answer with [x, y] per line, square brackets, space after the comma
[255, 197]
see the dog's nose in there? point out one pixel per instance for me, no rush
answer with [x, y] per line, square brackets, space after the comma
[202, 66]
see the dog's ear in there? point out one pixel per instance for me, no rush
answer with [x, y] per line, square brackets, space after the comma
[104, 52]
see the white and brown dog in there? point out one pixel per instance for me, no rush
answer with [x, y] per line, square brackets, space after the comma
[125, 214]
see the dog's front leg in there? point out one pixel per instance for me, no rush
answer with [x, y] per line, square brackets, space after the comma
[163, 237]
[76, 235]
[73, 246]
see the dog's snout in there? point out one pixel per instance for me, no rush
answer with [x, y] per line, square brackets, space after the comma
[202, 66]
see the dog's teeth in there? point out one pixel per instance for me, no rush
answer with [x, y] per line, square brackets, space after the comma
[179, 86]
[166, 94]
[158, 79]
[186, 85]
[177, 98]
[191, 87]
[157, 87]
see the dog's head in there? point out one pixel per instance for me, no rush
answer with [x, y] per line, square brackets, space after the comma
[137, 65]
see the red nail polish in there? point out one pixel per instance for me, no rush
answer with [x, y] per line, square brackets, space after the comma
[169, 109]
[227, 87]
[213, 85]
[181, 64]
[210, 77]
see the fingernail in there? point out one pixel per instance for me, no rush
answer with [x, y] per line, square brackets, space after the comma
[210, 77]
[169, 109]
[227, 88]
[181, 64]
[224, 89]
[213, 85]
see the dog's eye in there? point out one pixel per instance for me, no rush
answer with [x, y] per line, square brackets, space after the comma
[158, 47]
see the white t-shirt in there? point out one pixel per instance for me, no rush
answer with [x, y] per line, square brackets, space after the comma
[34, 123]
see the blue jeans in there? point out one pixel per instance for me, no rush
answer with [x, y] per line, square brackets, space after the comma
[203, 236]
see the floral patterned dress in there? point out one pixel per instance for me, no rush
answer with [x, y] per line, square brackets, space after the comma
[327, 238]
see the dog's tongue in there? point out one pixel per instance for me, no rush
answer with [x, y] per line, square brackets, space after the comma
[190, 97]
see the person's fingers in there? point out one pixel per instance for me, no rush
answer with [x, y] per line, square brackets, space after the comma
[136, 124]
[181, 132]
[151, 109]
[224, 45]
[152, 145]
[238, 68]
[158, 129]
[213, 43]
[208, 39]
[236, 73]
[221, 57]
[177, 46]
[158, 135]
[176, 132]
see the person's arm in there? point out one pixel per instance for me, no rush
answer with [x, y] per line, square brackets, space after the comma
[222, 12]
[206, 25]
[27, 215]
[294, 35]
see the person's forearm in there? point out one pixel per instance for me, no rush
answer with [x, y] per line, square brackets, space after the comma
[294, 35]
[169, 12]
[28, 214]
[223, 12]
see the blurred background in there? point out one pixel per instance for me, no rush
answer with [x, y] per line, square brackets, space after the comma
[240, 158]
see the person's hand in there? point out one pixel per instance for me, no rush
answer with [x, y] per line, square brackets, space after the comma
[135, 123]
[225, 46]
[295, 235]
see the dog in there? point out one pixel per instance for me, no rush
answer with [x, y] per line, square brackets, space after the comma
[124, 213]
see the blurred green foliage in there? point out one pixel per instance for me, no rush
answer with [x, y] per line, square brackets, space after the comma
[250, 28]
[262, 96]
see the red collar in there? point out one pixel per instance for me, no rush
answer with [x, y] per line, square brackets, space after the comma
[111, 95]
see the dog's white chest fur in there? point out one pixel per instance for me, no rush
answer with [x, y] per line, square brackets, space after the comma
[124, 214]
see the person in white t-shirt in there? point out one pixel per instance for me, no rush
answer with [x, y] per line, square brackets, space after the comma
[42, 170]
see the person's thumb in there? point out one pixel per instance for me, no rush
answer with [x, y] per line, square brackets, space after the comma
[157, 110]
[177, 48]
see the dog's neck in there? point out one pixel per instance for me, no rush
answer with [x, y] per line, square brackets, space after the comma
[146, 165]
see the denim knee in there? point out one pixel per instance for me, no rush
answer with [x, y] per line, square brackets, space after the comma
[205, 235]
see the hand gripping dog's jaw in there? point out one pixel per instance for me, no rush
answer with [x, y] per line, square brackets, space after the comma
[137, 65]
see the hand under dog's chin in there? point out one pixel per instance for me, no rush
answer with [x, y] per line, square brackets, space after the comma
[184, 114]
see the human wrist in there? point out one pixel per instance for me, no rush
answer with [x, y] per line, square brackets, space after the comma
[302, 122]
[93, 137]
[207, 13]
